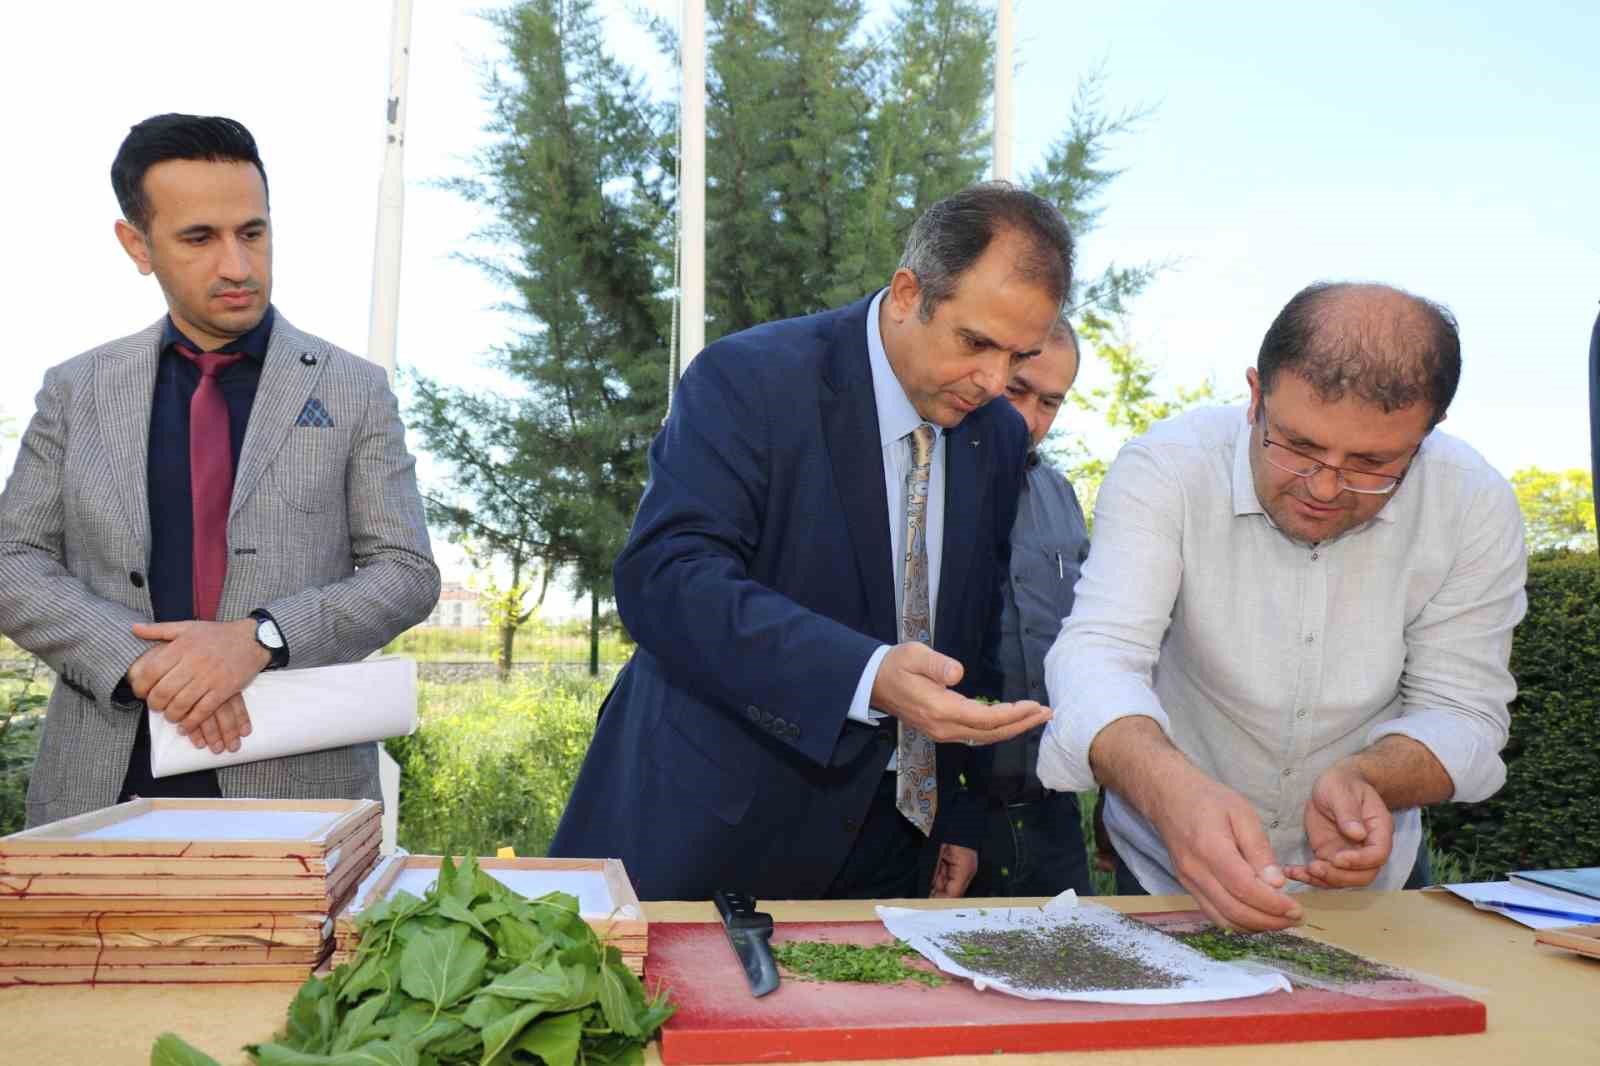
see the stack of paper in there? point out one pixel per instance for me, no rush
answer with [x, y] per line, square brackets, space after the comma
[606, 899]
[181, 891]
[1523, 901]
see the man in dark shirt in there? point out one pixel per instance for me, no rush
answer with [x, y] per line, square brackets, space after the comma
[1034, 842]
[213, 496]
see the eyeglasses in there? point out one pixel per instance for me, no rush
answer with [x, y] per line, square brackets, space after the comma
[1364, 482]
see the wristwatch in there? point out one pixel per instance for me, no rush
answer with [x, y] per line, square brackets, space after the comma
[270, 637]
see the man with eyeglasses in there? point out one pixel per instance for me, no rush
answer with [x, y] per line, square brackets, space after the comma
[1294, 627]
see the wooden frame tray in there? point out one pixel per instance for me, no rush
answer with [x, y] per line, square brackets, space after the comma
[1584, 939]
[180, 828]
[624, 921]
[283, 937]
[333, 895]
[114, 877]
[199, 973]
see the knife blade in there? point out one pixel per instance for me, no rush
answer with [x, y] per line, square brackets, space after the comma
[750, 933]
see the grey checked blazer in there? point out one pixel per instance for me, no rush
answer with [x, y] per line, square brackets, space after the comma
[325, 530]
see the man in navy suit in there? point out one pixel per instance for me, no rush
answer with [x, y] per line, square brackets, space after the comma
[830, 496]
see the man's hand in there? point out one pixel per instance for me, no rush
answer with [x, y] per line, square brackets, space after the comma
[198, 667]
[1220, 853]
[224, 729]
[1349, 828]
[913, 684]
[956, 868]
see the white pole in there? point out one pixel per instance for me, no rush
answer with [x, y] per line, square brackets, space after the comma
[692, 189]
[1002, 91]
[391, 199]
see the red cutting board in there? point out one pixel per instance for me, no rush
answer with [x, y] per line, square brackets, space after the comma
[718, 1021]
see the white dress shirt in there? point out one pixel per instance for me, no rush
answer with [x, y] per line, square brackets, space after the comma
[896, 419]
[1266, 659]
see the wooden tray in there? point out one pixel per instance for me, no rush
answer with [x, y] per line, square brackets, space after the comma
[145, 923]
[179, 828]
[182, 974]
[226, 955]
[329, 900]
[1584, 939]
[201, 880]
[718, 1021]
[184, 937]
[623, 920]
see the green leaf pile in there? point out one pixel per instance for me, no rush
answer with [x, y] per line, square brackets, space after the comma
[472, 974]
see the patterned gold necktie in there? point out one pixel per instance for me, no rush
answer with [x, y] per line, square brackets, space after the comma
[916, 786]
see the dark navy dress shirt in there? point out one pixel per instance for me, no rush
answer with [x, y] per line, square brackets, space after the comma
[171, 570]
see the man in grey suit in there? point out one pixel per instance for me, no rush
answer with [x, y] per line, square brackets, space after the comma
[217, 494]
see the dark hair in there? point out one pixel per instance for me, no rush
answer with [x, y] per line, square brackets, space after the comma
[1392, 351]
[953, 233]
[164, 137]
[1063, 331]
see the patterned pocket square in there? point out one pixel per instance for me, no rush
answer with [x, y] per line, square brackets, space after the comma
[315, 415]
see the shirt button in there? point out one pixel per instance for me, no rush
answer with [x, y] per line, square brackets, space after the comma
[1301, 713]
[1274, 824]
[1315, 556]
[1288, 771]
[1311, 638]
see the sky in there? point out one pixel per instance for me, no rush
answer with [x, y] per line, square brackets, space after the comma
[1447, 148]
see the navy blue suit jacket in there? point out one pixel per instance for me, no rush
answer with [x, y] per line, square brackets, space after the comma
[757, 581]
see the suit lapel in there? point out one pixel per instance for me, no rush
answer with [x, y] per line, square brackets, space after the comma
[290, 372]
[850, 432]
[125, 382]
[966, 462]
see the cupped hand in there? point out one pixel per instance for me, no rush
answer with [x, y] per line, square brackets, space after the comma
[1349, 828]
[913, 684]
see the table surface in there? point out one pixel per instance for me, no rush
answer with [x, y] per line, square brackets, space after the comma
[1542, 1003]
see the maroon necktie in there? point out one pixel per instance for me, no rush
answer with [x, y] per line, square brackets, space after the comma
[210, 478]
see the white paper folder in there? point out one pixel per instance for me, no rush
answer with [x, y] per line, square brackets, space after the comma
[296, 711]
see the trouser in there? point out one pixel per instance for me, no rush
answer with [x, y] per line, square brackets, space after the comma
[883, 861]
[1033, 848]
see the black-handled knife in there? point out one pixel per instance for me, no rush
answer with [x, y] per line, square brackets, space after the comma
[750, 933]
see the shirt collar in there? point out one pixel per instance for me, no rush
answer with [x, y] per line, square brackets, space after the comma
[896, 416]
[252, 345]
[1245, 501]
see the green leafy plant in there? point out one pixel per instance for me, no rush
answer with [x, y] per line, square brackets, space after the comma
[471, 974]
[491, 764]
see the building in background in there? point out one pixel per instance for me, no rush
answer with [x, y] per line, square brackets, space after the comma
[459, 607]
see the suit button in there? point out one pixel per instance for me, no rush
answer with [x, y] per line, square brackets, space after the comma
[851, 825]
[136, 579]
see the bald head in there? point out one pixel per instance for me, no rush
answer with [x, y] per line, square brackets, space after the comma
[1381, 345]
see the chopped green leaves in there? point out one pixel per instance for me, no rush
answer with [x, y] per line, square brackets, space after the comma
[472, 975]
[878, 964]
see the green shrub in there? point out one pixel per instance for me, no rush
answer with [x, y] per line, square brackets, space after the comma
[24, 689]
[1548, 813]
[491, 764]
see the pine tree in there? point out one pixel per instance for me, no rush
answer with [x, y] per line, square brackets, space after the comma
[575, 180]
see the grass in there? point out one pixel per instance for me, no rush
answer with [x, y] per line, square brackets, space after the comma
[492, 763]
[535, 643]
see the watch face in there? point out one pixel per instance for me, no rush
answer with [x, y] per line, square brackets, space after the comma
[267, 633]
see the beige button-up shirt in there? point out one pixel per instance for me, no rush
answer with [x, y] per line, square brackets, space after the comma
[1266, 659]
